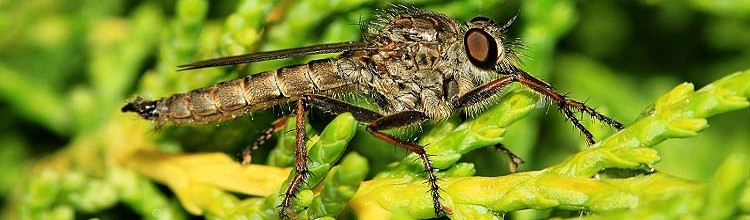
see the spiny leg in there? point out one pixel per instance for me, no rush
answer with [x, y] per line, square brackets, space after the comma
[403, 119]
[267, 134]
[329, 105]
[515, 74]
[573, 120]
[562, 104]
[379, 122]
[300, 163]
[582, 107]
[562, 101]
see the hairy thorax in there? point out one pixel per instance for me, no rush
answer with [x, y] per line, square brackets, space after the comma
[408, 71]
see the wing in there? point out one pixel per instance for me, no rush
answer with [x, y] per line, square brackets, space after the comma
[279, 54]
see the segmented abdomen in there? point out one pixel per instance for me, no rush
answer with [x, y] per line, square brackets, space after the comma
[233, 98]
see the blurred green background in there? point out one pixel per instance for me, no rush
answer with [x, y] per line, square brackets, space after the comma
[66, 68]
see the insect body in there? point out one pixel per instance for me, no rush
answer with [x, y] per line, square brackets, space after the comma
[234, 98]
[416, 65]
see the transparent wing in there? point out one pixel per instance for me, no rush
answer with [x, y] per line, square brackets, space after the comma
[279, 54]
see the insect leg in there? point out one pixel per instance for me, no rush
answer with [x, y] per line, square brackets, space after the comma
[563, 103]
[329, 105]
[513, 160]
[582, 107]
[379, 122]
[483, 92]
[335, 106]
[547, 90]
[300, 164]
[276, 126]
[403, 119]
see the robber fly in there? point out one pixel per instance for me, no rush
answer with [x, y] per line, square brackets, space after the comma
[417, 66]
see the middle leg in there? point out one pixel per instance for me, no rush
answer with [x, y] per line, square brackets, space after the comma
[402, 119]
[377, 123]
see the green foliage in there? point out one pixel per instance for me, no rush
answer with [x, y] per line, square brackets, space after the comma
[67, 152]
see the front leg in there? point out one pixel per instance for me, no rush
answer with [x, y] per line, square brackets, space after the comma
[563, 103]
[547, 90]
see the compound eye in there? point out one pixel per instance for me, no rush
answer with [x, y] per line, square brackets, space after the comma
[481, 48]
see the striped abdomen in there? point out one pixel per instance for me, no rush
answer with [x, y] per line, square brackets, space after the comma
[233, 98]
